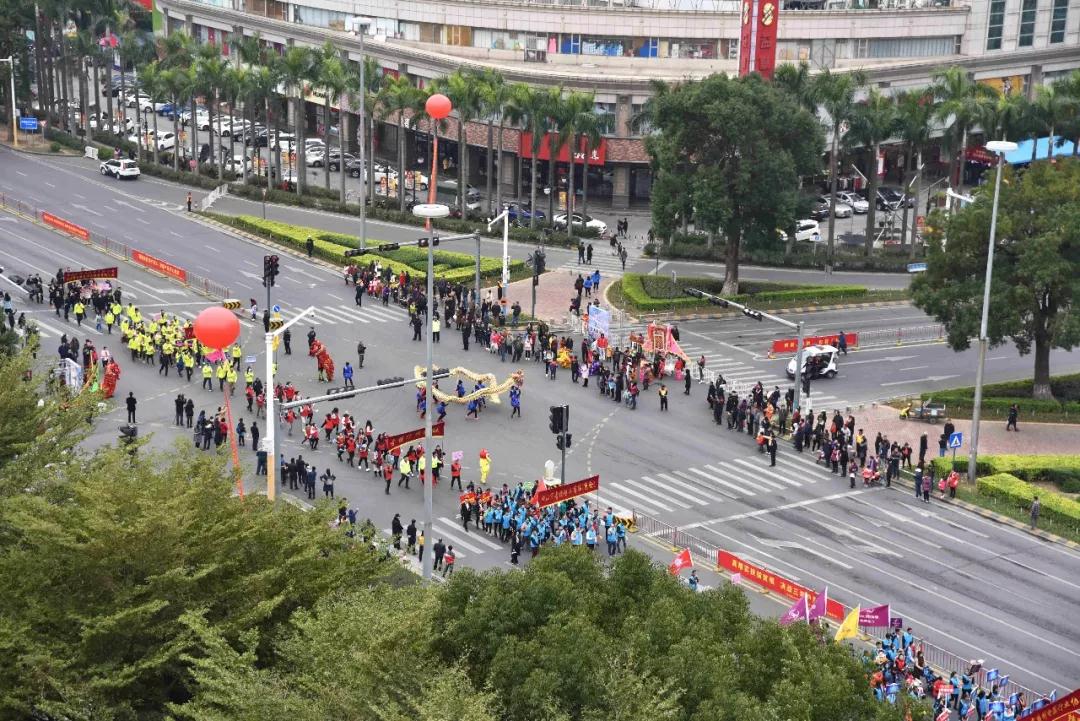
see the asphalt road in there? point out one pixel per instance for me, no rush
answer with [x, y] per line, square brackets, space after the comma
[966, 583]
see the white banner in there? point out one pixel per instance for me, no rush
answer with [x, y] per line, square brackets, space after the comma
[599, 321]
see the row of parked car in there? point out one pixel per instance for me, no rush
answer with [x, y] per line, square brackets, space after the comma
[849, 203]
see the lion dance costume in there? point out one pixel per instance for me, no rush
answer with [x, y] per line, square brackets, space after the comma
[322, 357]
[112, 374]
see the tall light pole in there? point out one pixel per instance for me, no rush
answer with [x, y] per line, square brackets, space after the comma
[361, 24]
[438, 107]
[10, 60]
[271, 420]
[504, 216]
[1000, 147]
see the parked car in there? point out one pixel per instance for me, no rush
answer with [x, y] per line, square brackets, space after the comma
[334, 161]
[890, 198]
[843, 210]
[236, 164]
[819, 361]
[522, 213]
[819, 210]
[166, 141]
[133, 98]
[858, 203]
[807, 231]
[581, 220]
[120, 169]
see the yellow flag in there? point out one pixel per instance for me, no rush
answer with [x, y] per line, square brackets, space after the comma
[850, 626]
[277, 342]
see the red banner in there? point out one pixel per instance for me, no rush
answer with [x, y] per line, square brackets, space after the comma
[765, 43]
[746, 28]
[597, 155]
[790, 345]
[410, 436]
[777, 584]
[159, 266]
[467, 498]
[71, 276]
[68, 227]
[558, 494]
[1064, 709]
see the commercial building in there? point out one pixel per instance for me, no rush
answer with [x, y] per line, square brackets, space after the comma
[616, 48]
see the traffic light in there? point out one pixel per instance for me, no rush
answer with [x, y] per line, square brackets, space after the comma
[423, 242]
[562, 441]
[718, 301]
[352, 252]
[388, 246]
[539, 262]
[693, 292]
[267, 273]
[341, 391]
[755, 314]
[389, 381]
[557, 423]
[274, 269]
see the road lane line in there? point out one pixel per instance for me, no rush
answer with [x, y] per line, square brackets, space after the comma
[669, 489]
[762, 484]
[738, 489]
[452, 523]
[642, 486]
[766, 471]
[774, 509]
[631, 492]
[717, 496]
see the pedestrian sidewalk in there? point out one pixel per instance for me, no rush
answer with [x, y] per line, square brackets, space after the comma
[554, 293]
[1032, 439]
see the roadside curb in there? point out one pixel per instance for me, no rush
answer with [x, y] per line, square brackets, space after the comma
[733, 314]
[43, 151]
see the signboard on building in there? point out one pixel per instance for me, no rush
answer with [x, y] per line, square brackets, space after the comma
[757, 38]
[597, 155]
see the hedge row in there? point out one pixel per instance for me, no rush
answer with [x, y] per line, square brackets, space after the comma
[1013, 490]
[693, 247]
[636, 292]
[999, 396]
[449, 265]
[965, 402]
[1061, 470]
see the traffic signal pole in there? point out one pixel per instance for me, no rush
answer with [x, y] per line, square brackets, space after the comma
[271, 417]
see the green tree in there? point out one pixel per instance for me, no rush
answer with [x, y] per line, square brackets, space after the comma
[153, 84]
[797, 81]
[529, 108]
[1036, 280]
[1052, 106]
[297, 67]
[464, 91]
[494, 95]
[733, 150]
[836, 94]
[873, 122]
[915, 114]
[592, 128]
[135, 542]
[576, 109]
[335, 81]
[370, 104]
[399, 98]
[960, 103]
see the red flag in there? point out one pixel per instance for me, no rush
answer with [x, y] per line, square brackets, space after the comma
[540, 486]
[682, 560]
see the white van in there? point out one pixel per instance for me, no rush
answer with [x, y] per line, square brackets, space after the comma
[819, 361]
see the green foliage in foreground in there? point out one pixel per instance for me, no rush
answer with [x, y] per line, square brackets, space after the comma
[136, 586]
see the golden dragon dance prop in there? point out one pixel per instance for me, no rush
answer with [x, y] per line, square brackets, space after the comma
[492, 388]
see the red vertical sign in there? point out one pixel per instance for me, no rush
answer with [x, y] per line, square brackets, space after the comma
[765, 46]
[745, 29]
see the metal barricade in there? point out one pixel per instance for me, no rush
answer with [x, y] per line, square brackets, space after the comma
[900, 336]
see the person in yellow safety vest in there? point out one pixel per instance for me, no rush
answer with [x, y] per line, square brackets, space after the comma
[133, 345]
[230, 378]
[130, 311]
[80, 312]
[138, 316]
[189, 364]
[116, 308]
[236, 356]
[207, 377]
[249, 377]
[221, 373]
[110, 319]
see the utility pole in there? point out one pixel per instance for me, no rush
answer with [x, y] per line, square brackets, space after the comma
[271, 416]
[559, 423]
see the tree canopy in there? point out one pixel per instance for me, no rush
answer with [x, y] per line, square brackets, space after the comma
[1036, 278]
[730, 152]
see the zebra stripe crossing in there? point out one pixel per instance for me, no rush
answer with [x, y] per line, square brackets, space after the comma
[705, 485]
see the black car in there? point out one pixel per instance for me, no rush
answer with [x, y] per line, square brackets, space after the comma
[819, 210]
[889, 198]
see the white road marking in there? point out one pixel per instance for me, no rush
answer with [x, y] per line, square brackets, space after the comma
[774, 509]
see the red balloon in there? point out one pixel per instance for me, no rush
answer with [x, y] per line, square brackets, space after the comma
[438, 106]
[217, 327]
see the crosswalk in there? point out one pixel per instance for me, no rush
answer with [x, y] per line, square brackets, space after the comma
[336, 315]
[742, 376]
[474, 542]
[708, 484]
[608, 265]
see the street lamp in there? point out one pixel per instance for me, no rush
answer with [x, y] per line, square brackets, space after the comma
[429, 211]
[360, 26]
[271, 439]
[1000, 147]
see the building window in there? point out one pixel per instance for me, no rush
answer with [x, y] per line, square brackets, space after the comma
[862, 47]
[1027, 23]
[997, 23]
[1057, 22]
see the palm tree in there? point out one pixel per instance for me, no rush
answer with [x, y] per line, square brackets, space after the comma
[371, 98]
[493, 98]
[176, 82]
[128, 49]
[1052, 106]
[873, 122]
[234, 87]
[1070, 128]
[399, 98]
[177, 52]
[154, 87]
[836, 93]
[915, 112]
[592, 128]
[211, 71]
[262, 86]
[1010, 116]
[251, 54]
[960, 104]
[575, 110]
[797, 82]
[84, 46]
[297, 67]
[335, 81]
[528, 108]
[464, 92]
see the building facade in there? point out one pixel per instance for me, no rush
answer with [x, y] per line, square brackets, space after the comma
[615, 48]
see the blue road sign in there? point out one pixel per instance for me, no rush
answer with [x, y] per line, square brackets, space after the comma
[916, 267]
[956, 440]
[28, 122]
[276, 309]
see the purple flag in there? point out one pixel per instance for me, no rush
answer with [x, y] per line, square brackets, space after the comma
[795, 613]
[874, 616]
[817, 610]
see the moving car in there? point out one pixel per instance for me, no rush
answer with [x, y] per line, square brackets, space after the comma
[581, 220]
[166, 141]
[807, 231]
[858, 203]
[522, 213]
[334, 161]
[819, 361]
[120, 169]
[889, 198]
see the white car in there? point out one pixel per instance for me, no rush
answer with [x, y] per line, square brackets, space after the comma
[237, 164]
[581, 220]
[133, 99]
[236, 127]
[858, 203]
[843, 210]
[807, 231]
[167, 141]
[819, 361]
[120, 169]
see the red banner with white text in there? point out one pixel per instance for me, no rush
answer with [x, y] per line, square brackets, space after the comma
[777, 584]
[159, 266]
[65, 225]
[558, 494]
[765, 43]
[746, 29]
[597, 155]
[417, 435]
